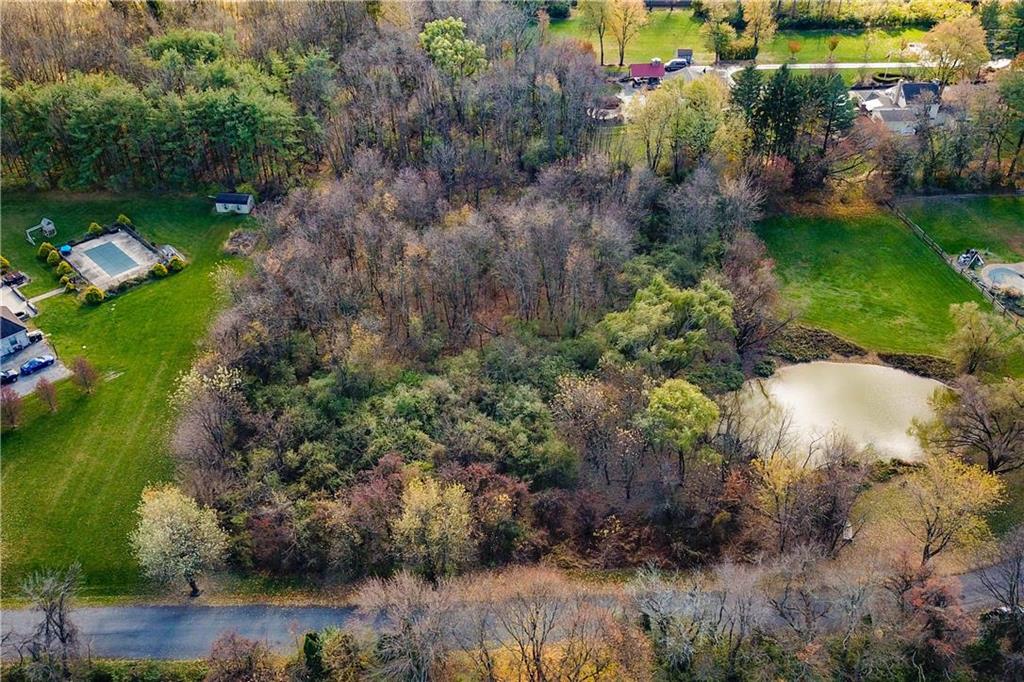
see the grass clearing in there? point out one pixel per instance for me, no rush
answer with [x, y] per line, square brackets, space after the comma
[993, 224]
[70, 481]
[867, 278]
[668, 30]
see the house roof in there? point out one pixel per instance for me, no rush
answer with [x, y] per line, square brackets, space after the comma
[233, 198]
[647, 70]
[9, 323]
[915, 91]
[895, 115]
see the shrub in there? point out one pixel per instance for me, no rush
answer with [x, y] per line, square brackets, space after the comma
[64, 268]
[176, 264]
[64, 281]
[557, 9]
[122, 219]
[44, 250]
[70, 287]
[158, 270]
[93, 295]
[53, 258]
[764, 368]
[928, 366]
[5, 264]
[95, 229]
[10, 408]
[84, 375]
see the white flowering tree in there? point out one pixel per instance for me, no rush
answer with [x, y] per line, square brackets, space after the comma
[176, 539]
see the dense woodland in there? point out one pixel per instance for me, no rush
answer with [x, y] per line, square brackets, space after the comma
[479, 331]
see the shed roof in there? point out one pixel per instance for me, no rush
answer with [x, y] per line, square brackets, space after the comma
[647, 70]
[684, 52]
[233, 198]
[9, 323]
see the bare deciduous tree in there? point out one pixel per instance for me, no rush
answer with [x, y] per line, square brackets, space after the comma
[54, 645]
[47, 394]
[418, 621]
[84, 375]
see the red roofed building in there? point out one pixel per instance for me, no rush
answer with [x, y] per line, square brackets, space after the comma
[652, 70]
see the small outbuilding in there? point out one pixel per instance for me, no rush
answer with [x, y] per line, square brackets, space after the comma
[13, 333]
[685, 53]
[652, 70]
[232, 202]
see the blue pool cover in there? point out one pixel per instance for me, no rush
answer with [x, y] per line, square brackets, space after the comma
[111, 259]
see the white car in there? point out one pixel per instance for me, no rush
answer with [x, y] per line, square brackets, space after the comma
[676, 64]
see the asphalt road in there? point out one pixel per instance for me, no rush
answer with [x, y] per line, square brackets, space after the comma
[183, 632]
[186, 632]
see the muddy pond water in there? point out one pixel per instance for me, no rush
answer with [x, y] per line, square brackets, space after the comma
[872, 405]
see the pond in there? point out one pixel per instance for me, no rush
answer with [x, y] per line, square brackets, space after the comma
[872, 405]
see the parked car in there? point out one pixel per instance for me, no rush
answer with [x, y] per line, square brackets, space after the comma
[35, 336]
[8, 376]
[676, 64]
[14, 278]
[37, 363]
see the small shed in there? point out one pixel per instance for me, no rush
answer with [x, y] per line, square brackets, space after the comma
[655, 69]
[232, 202]
[685, 53]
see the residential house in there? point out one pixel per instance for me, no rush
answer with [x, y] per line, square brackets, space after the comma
[901, 106]
[13, 333]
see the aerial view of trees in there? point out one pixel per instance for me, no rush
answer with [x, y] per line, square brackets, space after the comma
[489, 345]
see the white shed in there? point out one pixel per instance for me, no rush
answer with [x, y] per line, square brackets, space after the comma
[231, 202]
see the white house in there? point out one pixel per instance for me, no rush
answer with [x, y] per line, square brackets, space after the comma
[230, 202]
[901, 106]
[13, 334]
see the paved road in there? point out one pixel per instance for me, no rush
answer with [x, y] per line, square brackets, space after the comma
[184, 632]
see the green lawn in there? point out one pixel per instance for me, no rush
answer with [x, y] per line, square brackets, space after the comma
[994, 224]
[70, 481]
[854, 46]
[866, 278]
[667, 31]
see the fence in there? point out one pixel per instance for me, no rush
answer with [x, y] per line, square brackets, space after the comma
[964, 272]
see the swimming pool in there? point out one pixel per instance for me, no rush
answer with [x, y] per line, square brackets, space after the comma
[111, 259]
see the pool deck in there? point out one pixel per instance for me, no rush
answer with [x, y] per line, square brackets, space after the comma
[94, 272]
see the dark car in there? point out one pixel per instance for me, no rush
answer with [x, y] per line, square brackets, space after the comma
[37, 363]
[677, 64]
[14, 278]
[8, 376]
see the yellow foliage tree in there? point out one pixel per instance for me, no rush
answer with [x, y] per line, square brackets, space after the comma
[433, 530]
[627, 18]
[943, 504]
[956, 48]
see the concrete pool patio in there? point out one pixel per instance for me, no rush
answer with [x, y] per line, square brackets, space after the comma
[110, 259]
[1004, 274]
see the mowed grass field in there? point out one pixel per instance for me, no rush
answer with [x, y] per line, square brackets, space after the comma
[71, 480]
[667, 31]
[993, 224]
[867, 278]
